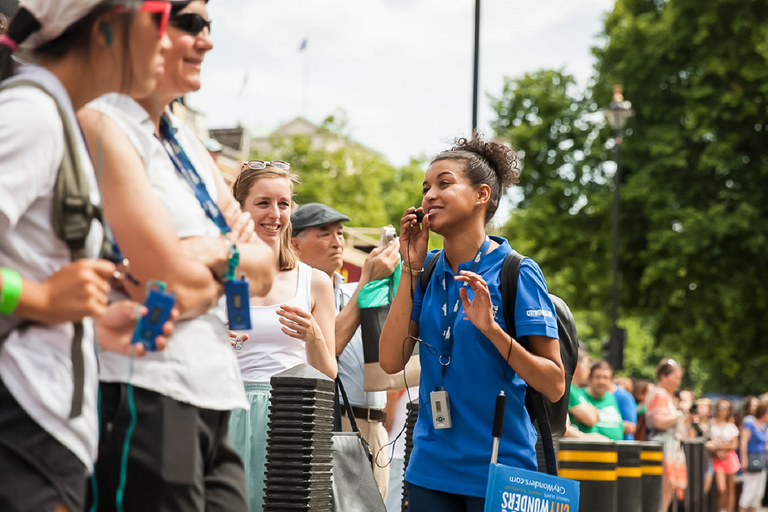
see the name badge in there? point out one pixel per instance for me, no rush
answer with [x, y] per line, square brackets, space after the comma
[238, 304]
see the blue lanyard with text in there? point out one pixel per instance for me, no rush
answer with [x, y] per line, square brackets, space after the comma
[183, 165]
[448, 316]
[187, 170]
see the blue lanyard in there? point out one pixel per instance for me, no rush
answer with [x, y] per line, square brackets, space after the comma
[187, 170]
[448, 316]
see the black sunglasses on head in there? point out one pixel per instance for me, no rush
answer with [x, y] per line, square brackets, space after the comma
[190, 22]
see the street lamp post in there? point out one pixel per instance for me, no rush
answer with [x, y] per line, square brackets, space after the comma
[476, 69]
[617, 114]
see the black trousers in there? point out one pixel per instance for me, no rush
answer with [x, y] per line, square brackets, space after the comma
[37, 472]
[179, 457]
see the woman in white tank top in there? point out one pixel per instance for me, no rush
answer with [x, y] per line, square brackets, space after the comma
[293, 317]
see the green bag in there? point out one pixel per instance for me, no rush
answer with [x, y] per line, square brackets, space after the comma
[380, 292]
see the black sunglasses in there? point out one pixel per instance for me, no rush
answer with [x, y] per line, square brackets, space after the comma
[190, 22]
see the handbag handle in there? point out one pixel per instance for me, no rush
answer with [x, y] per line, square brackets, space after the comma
[347, 405]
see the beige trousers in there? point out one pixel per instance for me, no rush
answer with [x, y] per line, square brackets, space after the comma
[376, 435]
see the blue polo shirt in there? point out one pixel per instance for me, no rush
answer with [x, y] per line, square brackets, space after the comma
[627, 407]
[456, 460]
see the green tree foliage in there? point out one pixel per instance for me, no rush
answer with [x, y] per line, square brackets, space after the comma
[694, 222]
[348, 176]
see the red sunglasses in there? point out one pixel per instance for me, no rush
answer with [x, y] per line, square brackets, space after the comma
[161, 11]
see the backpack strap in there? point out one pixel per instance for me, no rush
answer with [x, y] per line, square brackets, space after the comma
[429, 269]
[534, 402]
[71, 214]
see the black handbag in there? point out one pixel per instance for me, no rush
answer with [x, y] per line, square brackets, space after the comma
[755, 462]
[354, 488]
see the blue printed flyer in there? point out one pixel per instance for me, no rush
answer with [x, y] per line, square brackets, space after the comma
[519, 490]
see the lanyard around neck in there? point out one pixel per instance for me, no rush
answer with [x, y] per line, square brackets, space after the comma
[184, 166]
[448, 314]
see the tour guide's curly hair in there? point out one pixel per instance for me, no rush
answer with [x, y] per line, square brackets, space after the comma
[489, 163]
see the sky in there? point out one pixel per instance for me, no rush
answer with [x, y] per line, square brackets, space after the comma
[400, 71]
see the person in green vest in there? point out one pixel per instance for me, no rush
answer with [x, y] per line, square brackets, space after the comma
[598, 394]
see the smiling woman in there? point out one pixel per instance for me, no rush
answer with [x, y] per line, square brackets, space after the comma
[293, 319]
[470, 361]
[190, 233]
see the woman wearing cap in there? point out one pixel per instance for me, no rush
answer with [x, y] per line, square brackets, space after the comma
[184, 395]
[48, 424]
[292, 321]
[448, 468]
[665, 421]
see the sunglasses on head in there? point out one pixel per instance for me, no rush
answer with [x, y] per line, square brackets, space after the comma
[191, 23]
[160, 10]
[257, 165]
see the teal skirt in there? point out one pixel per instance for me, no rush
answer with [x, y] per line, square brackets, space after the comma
[248, 435]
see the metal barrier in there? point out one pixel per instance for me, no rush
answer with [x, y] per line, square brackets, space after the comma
[593, 464]
[629, 475]
[651, 458]
[695, 457]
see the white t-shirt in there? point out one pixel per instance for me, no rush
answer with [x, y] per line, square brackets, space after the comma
[36, 364]
[198, 366]
[269, 350]
[723, 434]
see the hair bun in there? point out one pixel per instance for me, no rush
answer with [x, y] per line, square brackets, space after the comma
[502, 158]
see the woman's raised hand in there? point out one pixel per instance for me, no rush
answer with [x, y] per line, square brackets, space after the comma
[414, 238]
[299, 324]
[480, 309]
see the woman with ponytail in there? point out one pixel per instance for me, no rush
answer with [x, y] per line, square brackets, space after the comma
[48, 380]
[466, 350]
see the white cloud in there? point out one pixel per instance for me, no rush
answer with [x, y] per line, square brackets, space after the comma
[401, 69]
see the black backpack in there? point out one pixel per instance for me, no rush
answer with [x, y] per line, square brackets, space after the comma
[548, 417]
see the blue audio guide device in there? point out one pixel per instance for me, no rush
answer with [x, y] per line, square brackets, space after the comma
[238, 304]
[159, 305]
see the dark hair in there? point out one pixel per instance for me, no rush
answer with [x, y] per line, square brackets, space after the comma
[488, 163]
[639, 389]
[600, 365]
[761, 409]
[746, 406]
[76, 36]
[179, 5]
[241, 188]
[666, 367]
[725, 402]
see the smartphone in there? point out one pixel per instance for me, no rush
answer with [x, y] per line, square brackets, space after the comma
[387, 235]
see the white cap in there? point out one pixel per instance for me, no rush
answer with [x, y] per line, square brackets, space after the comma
[56, 16]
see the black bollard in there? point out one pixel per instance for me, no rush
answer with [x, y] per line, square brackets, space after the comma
[410, 423]
[697, 466]
[629, 477]
[652, 459]
[299, 461]
[593, 464]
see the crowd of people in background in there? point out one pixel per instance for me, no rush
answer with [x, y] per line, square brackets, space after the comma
[733, 432]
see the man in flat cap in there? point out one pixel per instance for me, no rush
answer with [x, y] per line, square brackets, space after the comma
[319, 242]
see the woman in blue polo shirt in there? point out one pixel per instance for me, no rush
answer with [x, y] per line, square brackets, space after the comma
[463, 333]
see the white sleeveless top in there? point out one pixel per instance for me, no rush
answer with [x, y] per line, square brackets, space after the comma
[198, 366]
[268, 350]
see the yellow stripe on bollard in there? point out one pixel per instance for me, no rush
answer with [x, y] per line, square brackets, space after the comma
[629, 472]
[584, 456]
[588, 474]
[652, 456]
[653, 470]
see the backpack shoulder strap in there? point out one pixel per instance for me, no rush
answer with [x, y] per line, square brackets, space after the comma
[429, 269]
[534, 401]
[71, 216]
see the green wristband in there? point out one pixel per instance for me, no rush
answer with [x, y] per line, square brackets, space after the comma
[10, 291]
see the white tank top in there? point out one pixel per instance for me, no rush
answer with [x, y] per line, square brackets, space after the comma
[268, 350]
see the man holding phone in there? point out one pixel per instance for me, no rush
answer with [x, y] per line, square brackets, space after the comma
[318, 241]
